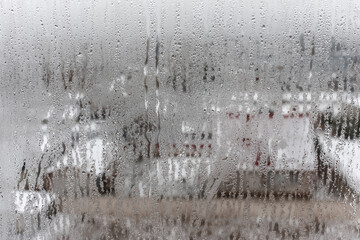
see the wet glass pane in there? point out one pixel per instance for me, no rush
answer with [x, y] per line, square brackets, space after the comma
[179, 119]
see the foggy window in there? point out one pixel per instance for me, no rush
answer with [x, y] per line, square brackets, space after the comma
[179, 119]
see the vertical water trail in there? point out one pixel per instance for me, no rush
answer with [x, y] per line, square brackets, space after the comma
[146, 97]
[157, 83]
[147, 21]
[157, 146]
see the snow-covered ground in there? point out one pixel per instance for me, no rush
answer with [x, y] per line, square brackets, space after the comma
[343, 156]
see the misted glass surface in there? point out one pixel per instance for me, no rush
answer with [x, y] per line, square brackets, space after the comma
[179, 119]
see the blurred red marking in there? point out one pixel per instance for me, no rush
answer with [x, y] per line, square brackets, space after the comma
[246, 141]
[257, 159]
[271, 115]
